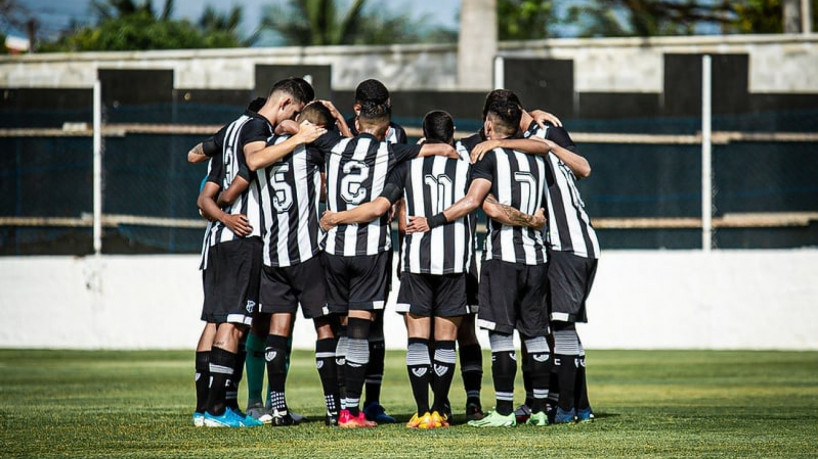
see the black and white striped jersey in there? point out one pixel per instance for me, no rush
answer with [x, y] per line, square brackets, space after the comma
[517, 180]
[250, 127]
[569, 227]
[356, 171]
[431, 185]
[290, 190]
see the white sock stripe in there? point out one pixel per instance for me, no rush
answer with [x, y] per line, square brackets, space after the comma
[505, 396]
[470, 368]
[566, 342]
[324, 355]
[445, 356]
[501, 343]
[220, 369]
[418, 354]
[358, 351]
[537, 345]
[540, 393]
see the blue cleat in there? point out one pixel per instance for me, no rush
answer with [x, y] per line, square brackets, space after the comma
[198, 419]
[375, 412]
[229, 419]
[563, 417]
[585, 415]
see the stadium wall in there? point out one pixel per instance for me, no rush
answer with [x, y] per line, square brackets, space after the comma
[641, 300]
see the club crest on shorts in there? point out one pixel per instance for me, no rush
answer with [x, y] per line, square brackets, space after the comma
[251, 306]
[319, 364]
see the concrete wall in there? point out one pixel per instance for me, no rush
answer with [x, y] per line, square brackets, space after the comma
[778, 63]
[641, 300]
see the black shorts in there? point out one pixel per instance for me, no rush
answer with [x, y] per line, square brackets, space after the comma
[431, 295]
[570, 278]
[512, 297]
[472, 288]
[231, 281]
[357, 283]
[282, 289]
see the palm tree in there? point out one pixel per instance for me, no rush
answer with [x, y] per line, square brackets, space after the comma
[109, 9]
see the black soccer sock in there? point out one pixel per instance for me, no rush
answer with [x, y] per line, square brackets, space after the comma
[526, 367]
[222, 365]
[328, 372]
[443, 365]
[377, 355]
[419, 367]
[356, 362]
[202, 380]
[232, 394]
[471, 370]
[539, 366]
[503, 371]
[341, 361]
[275, 353]
[566, 357]
[581, 388]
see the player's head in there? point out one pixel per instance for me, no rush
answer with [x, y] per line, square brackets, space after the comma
[371, 90]
[499, 95]
[316, 113]
[373, 118]
[288, 97]
[438, 127]
[502, 119]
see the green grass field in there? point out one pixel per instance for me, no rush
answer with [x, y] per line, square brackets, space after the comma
[647, 403]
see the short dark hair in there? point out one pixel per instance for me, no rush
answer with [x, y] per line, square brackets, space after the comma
[256, 104]
[316, 113]
[506, 116]
[374, 113]
[438, 126]
[499, 95]
[298, 88]
[371, 90]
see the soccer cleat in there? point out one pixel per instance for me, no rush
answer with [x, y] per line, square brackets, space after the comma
[474, 411]
[347, 421]
[375, 412]
[280, 418]
[563, 417]
[331, 419]
[495, 419]
[522, 413]
[298, 418]
[229, 419]
[198, 419]
[585, 415]
[537, 419]
[440, 420]
[259, 412]
[446, 411]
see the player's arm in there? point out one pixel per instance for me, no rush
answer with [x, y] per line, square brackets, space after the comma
[203, 151]
[508, 215]
[363, 213]
[478, 190]
[259, 155]
[286, 127]
[541, 117]
[532, 146]
[438, 149]
[564, 148]
[207, 205]
[236, 188]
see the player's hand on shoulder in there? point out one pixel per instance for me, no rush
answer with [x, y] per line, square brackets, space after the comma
[287, 127]
[417, 225]
[539, 219]
[482, 148]
[541, 117]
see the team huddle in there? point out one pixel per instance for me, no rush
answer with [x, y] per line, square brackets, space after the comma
[268, 248]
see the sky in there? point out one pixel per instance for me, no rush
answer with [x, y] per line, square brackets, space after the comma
[56, 15]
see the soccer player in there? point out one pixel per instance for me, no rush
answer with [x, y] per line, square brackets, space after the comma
[372, 90]
[573, 252]
[357, 256]
[235, 261]
[290, 190]
[512, 283]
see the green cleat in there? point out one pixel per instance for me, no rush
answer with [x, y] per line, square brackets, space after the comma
[495, 419]
[537, 419]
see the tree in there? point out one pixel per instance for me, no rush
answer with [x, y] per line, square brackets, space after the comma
[125, 25]
[320, 22]
[524, 19]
